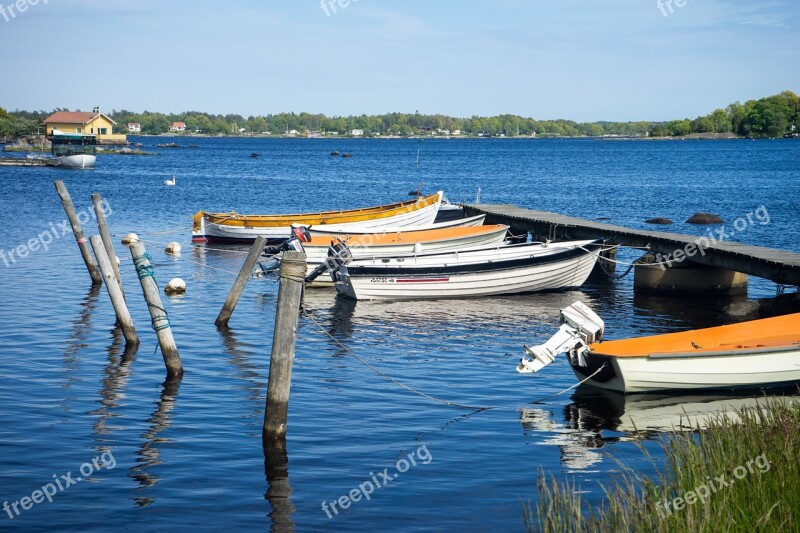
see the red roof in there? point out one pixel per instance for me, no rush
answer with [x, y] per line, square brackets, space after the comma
[72, 117]
[179, 124]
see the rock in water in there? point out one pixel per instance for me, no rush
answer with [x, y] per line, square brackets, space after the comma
[704, 218]
[175, 286]
[173, 248]
[658, 220]
[129, 238]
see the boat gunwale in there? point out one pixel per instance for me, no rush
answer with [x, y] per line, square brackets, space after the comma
[662, 356]
[469, 232]
[224, 219]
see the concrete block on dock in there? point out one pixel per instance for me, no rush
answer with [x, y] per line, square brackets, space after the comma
[686, 277]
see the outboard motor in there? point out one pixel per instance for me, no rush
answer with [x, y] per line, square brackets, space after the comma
[580, 326]
[339, 256]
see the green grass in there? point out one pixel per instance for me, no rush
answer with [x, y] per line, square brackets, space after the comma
[763, 497]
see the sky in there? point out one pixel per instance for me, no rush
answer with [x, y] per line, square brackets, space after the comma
[583, 60]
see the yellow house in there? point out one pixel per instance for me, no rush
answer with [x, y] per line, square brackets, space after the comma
[94, 123]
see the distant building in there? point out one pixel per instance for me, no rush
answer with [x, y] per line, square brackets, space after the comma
[177, 126]
[134, 127]
[356, 133]
[456, 132]
[85, 122]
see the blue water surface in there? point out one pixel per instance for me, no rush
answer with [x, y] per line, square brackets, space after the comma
[188, 455]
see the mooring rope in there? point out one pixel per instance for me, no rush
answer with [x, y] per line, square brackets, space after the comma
[146, 270]
[578, 384]
[386, 376]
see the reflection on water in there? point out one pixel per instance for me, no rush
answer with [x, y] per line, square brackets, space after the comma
[149, 454]
[115, 375]
[276, 470]
[598, 416]
[77, 341]
[240, 357]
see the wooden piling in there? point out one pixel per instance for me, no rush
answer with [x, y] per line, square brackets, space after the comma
[105, 234]
[241, 281]
[114, 291]
[292, 274]
[66, 201]
[157, 312]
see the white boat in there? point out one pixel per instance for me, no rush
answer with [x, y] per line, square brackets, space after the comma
[234, 227]
[74, 150]
[398, 243]
[319, 231]
[751, 354]
[501, 270]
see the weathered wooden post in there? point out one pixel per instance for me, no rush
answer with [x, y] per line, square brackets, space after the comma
[114, 291]
[105, 234]
[157, 312]
[241, 282]
[66, 201]
[292, 275]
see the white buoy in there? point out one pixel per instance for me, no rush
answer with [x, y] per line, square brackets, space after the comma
[175, 286]
[173, 248]
[129, 238]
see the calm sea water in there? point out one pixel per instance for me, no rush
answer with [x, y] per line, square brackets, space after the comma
[189, 455]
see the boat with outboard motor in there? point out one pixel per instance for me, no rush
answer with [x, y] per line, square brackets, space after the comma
[757, 353]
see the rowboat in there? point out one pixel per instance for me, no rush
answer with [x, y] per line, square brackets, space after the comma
[467, 273]
[350, 231]
[758, 353]
[385, 244]
[233, 227]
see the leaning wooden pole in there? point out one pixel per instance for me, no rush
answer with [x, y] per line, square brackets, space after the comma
[292, 274]
[105, 234]
[66, 201]
[157, 312]
[114, 291]
[241, 281]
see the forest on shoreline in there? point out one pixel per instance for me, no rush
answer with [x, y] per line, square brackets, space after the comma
[772, 116]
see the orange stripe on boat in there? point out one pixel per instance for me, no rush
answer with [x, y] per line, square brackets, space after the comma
[782, 331]
[409, 237]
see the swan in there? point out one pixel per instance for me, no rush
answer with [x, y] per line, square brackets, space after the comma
[170, 181]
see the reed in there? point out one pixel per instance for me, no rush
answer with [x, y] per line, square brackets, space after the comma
[757, 452]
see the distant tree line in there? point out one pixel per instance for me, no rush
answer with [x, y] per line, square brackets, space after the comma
[773, 116]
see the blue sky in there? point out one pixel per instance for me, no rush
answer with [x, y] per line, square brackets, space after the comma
[583, 60]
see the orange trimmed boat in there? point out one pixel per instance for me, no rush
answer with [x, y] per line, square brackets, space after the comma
[233, 227]
[758, 353]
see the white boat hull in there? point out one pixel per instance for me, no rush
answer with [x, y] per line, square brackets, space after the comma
[79, 161]
[720, 370]
[325, 231]
[567, 268]
[419, 217]
[316, 255]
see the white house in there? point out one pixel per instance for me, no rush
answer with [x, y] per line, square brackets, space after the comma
[134, 127]
[357, 133]
[177, 126]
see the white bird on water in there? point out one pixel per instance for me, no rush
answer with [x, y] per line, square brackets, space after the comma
[170, 181]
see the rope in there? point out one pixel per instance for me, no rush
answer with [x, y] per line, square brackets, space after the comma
[384, 375]
[578, 384]
[144, 269]
[293, 269]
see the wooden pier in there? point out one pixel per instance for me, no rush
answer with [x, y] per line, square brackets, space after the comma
[25, 162]
[780, 266]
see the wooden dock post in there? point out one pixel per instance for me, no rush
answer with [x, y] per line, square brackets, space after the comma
[66, 201]
[241, 281]
[114, 291]
[157, 312]
[105, 234]
[292, 274]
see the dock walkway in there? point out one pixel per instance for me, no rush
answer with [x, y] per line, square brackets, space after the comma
[779, 266]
